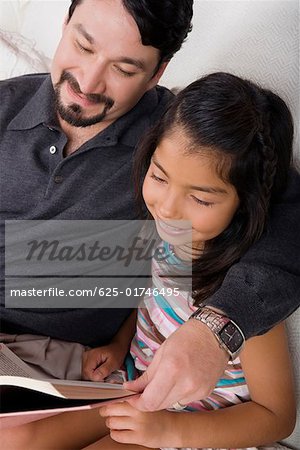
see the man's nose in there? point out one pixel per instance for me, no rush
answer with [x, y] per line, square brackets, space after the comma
[92, 79]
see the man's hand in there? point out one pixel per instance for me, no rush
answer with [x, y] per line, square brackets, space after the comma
[100, 362]
[186, 367]
[128, 425]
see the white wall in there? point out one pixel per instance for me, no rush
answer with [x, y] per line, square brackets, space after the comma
[255, 39]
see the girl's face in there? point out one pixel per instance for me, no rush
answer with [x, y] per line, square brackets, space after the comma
[184, 192]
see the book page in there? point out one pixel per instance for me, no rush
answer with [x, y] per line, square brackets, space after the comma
[15, 372]
[12, 365]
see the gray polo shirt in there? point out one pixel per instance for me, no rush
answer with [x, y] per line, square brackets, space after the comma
[92, 183]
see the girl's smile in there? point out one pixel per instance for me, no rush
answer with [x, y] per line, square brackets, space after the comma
[174, 227]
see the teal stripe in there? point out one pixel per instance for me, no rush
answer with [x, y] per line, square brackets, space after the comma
[142, 344]
[213, 403]
[143, 319]
[172, 259]
[165, 306]
[225, 382]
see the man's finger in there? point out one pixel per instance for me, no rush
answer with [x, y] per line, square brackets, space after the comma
[133, 400]
[150, 383]
[139, 384]
[150, 400]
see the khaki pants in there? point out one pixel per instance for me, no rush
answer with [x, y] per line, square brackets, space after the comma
[51, 357]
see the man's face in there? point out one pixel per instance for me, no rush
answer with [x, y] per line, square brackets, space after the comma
[101, 69]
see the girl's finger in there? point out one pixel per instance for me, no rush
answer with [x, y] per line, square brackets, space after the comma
[120, 423]
[116, 409]
[103, 371]
[124, 437]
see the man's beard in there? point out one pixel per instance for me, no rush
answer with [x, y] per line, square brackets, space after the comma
[72, 113]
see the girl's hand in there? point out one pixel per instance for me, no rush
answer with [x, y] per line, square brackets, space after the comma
[128, 425]
[100, 362]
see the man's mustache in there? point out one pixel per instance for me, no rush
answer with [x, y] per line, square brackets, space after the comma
[93, 98]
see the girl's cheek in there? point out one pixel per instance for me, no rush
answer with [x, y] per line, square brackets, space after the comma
[147, 195]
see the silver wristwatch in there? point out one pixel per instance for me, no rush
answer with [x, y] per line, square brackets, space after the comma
[227, 333]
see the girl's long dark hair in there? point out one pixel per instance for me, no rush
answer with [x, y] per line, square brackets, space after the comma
[250, 130]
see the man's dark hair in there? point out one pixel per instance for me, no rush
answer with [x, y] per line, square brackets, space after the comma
[163, 24]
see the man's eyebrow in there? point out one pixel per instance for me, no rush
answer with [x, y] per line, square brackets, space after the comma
[208, 189]
[135, 62]
[123, 59]
[79, 27]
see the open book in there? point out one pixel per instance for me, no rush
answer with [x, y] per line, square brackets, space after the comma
[25, 396]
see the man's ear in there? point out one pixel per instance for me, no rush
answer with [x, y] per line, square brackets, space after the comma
[65, 23]
[158, 74]
[161, 70]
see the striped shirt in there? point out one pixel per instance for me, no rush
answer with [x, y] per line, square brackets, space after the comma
[159, 315]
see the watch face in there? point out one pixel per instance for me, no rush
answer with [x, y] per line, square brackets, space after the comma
[231, 337]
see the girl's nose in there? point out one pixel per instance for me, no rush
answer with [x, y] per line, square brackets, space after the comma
[169, 207]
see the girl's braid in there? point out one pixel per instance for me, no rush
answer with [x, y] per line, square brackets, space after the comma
[268, 154]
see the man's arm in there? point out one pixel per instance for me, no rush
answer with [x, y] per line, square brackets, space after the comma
[263, 288]
[259, 291]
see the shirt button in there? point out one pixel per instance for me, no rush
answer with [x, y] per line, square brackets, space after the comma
[53, 149]
[58, 179]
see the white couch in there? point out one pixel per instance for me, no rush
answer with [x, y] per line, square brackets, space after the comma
[255, 39]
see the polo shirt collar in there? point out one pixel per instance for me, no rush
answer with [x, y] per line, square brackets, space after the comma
[128, 128]
[39, 109]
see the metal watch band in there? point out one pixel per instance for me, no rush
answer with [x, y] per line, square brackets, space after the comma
[212, 319]
[217, 322]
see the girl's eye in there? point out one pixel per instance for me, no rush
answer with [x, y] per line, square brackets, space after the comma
[202, 202]
[124, 72]
[156, 178]
[83, 49]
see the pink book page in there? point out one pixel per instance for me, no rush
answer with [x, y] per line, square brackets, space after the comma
[9, 420]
